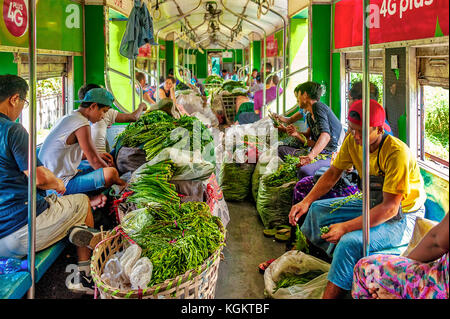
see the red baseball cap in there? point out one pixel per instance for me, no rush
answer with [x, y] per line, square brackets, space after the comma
[377, 114]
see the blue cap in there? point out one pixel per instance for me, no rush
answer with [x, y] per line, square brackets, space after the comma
[98, 95]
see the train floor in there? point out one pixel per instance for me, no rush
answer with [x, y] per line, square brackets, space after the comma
[238, 277]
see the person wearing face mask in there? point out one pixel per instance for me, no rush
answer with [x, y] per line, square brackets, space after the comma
[70, 138]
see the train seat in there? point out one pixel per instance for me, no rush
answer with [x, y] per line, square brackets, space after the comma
[16, 285]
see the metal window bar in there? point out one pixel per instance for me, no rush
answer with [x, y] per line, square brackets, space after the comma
[278, 87]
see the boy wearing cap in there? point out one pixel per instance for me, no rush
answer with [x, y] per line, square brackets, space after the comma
[98, 129]
[389, 226]
[70, 138]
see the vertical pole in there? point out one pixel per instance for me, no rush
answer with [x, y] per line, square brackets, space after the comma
[32, 148]
[84, 42]
[310, 18]
[264, 75]
[366, 122]
[133, 84]
[158, 72]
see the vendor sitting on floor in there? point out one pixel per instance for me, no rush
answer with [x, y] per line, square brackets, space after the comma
[70, 138]
[393, 212]
[324, 134]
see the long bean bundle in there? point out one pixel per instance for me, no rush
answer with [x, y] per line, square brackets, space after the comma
[153, 185]
[176, 238]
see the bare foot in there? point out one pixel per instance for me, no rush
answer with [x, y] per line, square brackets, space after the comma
[98, 201]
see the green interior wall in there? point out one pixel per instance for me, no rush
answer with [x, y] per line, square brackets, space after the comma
[257, 55]
[169, 56]
[321, 19]
[95, 47]
[7, 63]
[202, 64]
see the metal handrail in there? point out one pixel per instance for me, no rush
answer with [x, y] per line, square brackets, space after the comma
[265, 45]
[285, 45]
[156, 37]
[32, 150]
[108, 86]
[284, 93]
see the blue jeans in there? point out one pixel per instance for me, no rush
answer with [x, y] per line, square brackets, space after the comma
[86, 181]
[347, 252]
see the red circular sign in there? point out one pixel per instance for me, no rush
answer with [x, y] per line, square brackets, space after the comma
[15, 15]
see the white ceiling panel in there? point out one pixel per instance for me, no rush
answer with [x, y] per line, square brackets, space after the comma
[218, 21]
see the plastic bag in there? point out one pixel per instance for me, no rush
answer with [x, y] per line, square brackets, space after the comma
[235, 180]
[129, 258]
[112, 273]
[216, 201]
[141, 273]
[267, 162]
[296, 262]
[274, 203]
[191, 102]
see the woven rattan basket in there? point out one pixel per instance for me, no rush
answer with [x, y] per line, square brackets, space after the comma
[199, 283]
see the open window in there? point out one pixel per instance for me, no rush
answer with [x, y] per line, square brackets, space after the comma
[51, 91]
[433, 107]
[354, 72]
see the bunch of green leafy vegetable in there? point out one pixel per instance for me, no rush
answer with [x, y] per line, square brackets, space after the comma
[230, 85]
[287, 172]
[152, 185]
[176, 238]
[344, 200]
[301, 243]
[213, 79]
[290, 279]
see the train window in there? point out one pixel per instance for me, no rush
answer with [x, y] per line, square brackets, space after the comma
[352, 77]
[433, 107]
[49, 106]
[434, 125]
[353, 65]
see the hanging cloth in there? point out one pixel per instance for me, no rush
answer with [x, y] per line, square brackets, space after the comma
[139, 31]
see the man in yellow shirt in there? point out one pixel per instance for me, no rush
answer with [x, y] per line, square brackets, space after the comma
[403, 185]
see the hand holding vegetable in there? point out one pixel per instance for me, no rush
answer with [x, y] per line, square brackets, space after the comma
[335, 233]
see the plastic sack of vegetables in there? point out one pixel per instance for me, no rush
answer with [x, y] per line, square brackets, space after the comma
[267, 162]
[235, 180]
[296, 275]
[191, 102]
[188, 165]
[275, 193]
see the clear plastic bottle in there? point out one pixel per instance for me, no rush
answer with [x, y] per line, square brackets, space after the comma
[11, 265]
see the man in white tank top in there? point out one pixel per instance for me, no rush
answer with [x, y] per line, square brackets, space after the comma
[70, 138]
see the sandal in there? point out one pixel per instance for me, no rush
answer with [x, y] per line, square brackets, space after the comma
[263, 266]
[284, 231]
[282, 237]
[270, 232]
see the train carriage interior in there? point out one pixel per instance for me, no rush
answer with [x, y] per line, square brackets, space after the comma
[231, 74]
